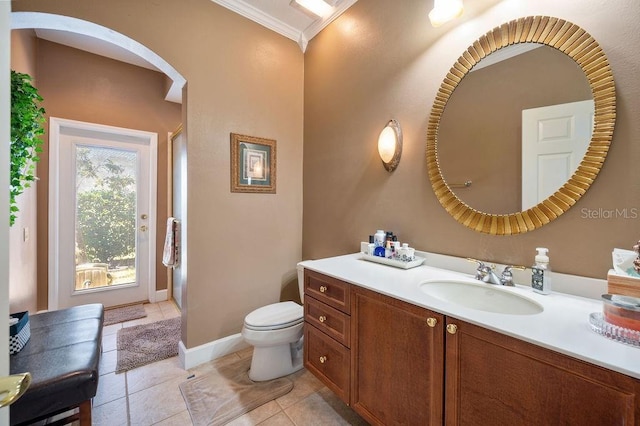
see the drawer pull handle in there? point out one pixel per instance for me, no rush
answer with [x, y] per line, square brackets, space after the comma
[431, 322]
[452, 328]
[323, 289]
[322, 318]
[323, 359]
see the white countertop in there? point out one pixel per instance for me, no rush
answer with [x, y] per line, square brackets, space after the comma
[563, 326]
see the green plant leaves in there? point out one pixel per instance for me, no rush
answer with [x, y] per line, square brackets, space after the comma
[27, 125]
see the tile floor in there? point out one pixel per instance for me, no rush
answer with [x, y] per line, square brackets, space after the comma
[149, 395]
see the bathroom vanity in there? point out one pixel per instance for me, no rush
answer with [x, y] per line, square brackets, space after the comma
[398, 355]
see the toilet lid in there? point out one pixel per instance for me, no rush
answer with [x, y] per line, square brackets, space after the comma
[275, 316]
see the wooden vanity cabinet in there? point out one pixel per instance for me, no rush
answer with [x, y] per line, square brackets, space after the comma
[327, 331]
[493, 379]
[397, 363]
[397, 360]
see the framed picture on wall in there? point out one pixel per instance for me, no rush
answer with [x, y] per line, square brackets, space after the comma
[253, 164]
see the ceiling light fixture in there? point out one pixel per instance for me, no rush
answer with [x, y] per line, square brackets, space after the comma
[444, 11]
[317, 7]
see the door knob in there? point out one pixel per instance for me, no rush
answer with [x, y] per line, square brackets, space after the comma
[452, 328]
[431, 322]
[322, 318]
[143, 216]
[143, 228]
[13, 387]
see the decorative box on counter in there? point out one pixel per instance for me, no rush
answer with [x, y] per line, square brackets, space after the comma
[19, 333]
[625, 285]
[406, 258]
[417, 261]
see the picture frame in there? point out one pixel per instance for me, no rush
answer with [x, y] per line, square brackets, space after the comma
[253, 164]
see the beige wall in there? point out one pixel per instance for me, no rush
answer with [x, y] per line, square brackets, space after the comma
[244, 78]
[382, 60]
[22, 253]
[77, 85]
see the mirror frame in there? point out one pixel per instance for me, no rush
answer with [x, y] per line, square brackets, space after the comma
[586, 52]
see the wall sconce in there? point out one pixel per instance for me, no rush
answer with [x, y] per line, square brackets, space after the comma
[444, 11]
[390, 145]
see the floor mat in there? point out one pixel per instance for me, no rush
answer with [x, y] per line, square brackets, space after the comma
[143, 344]
[220, 396]
[126, 313]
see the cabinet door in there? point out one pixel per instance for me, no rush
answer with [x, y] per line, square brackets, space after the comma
[328, 360]
[397, 360]
[493, 379]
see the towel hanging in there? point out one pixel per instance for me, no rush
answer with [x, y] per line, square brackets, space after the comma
[171, 252]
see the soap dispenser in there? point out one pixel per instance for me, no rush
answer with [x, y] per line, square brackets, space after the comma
[541, 272]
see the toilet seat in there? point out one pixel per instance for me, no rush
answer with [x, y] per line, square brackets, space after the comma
[275, 317]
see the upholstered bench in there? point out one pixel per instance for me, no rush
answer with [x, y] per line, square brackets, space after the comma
[62, 357]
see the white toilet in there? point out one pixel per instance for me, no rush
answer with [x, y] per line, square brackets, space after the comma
[275, 332]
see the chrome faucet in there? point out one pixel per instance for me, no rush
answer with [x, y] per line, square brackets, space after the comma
[486, 274]
[507, 275]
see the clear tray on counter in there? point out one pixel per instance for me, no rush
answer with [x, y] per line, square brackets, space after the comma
[613, 332]
[392, 262]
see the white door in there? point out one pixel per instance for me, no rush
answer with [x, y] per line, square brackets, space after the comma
[102, 214]
[178, 208]
[5, 107]
[554, 141]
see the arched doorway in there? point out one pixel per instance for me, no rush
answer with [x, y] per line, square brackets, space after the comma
[48, 21]
[96, 34]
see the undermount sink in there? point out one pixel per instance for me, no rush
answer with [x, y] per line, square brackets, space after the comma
[481, 296]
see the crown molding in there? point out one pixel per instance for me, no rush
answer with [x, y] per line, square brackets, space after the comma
[256, 15]
[301, 37]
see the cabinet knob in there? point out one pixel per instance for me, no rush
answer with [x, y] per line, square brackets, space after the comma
[322, 318]
[452, 328]
[323, 359]
[431, 322]
[323, 289]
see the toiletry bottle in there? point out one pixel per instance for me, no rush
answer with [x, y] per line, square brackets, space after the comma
[395, 248]
[378, 243]
[541, 273]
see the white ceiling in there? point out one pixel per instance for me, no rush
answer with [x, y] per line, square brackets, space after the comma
[93, 45]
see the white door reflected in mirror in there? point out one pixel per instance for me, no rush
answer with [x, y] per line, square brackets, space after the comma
[554, 141]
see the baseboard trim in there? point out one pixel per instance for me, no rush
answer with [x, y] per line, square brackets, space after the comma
[161, 295]
[193, 357]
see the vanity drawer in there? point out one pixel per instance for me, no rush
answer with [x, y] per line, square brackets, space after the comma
[328, 320]
[328, 360]
[328, 290]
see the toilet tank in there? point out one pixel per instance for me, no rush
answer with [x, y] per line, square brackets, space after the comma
[300, 281]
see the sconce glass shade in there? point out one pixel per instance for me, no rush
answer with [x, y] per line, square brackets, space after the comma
[444, 11]
[390, 145]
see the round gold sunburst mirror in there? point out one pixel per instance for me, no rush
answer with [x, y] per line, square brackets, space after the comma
[584, 54]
